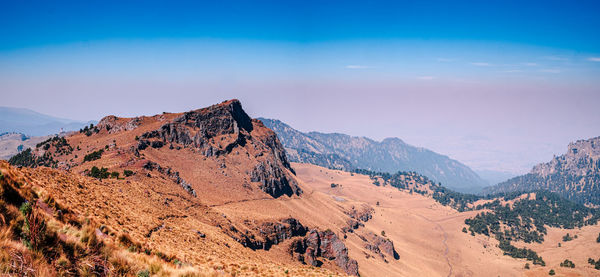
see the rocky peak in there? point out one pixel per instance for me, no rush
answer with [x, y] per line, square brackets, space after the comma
[580, 156]
[218, 130]
[225, 118]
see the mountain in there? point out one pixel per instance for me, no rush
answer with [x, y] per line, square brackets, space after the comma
[162, 180]
[390, 155]
[574, 175]
[32, 123]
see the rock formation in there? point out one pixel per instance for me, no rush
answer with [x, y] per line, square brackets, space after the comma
[325, 244]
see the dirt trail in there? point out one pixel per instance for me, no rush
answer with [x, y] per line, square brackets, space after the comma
[444, 241]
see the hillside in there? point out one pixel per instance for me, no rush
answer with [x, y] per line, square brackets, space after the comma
[161, 179]
[342, 151]
[574, 175]
[32, 123]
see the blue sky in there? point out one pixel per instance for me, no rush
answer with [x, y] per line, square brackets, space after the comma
[496, 84]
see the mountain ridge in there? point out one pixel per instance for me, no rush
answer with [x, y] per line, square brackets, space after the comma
[341, 151]
[574, 175]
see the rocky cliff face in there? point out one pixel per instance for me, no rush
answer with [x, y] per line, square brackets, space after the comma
[215, 132]
[263, 235]
[391, 155]
[323, 244]
[574, 175]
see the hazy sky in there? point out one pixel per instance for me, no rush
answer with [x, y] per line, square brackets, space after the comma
[498, 85]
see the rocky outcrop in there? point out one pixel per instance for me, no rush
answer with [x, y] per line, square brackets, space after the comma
[327, 245]
[114, 124]
[264, 235]
[171, 174]
[380, 246]
[364, 213]
[218, 130]
[273, 180]
[198, 128]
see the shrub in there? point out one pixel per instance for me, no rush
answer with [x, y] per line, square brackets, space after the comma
[551, 272]
[93, 156]
[100, 173]
[127, 173]
[567, 263]
[114, 174]
[34, 227]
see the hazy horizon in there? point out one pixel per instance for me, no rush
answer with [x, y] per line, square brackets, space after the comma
[493, 86]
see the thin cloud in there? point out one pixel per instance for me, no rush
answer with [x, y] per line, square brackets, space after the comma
[425, 77]
[530, 64]
[594, 59]
[556, 58]
[481, 64]
[357, 66]
[512, 71]
[550, 70]
[445, 60]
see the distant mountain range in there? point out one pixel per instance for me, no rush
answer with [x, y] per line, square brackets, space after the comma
[574, 175]
[342, 151]
[32, 123]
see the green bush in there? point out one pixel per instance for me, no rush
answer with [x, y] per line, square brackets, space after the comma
[127, 173]
[100, 173]
[93, 156]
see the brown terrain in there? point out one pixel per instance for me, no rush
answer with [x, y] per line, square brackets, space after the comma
[212, 191]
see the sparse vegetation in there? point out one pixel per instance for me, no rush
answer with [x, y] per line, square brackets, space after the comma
[594, 263]
[28, 159]
[567, 263]
[526, 218]
[93, 156]
[127, 173]
[567, 237]
[99, 173]
[520, 253]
